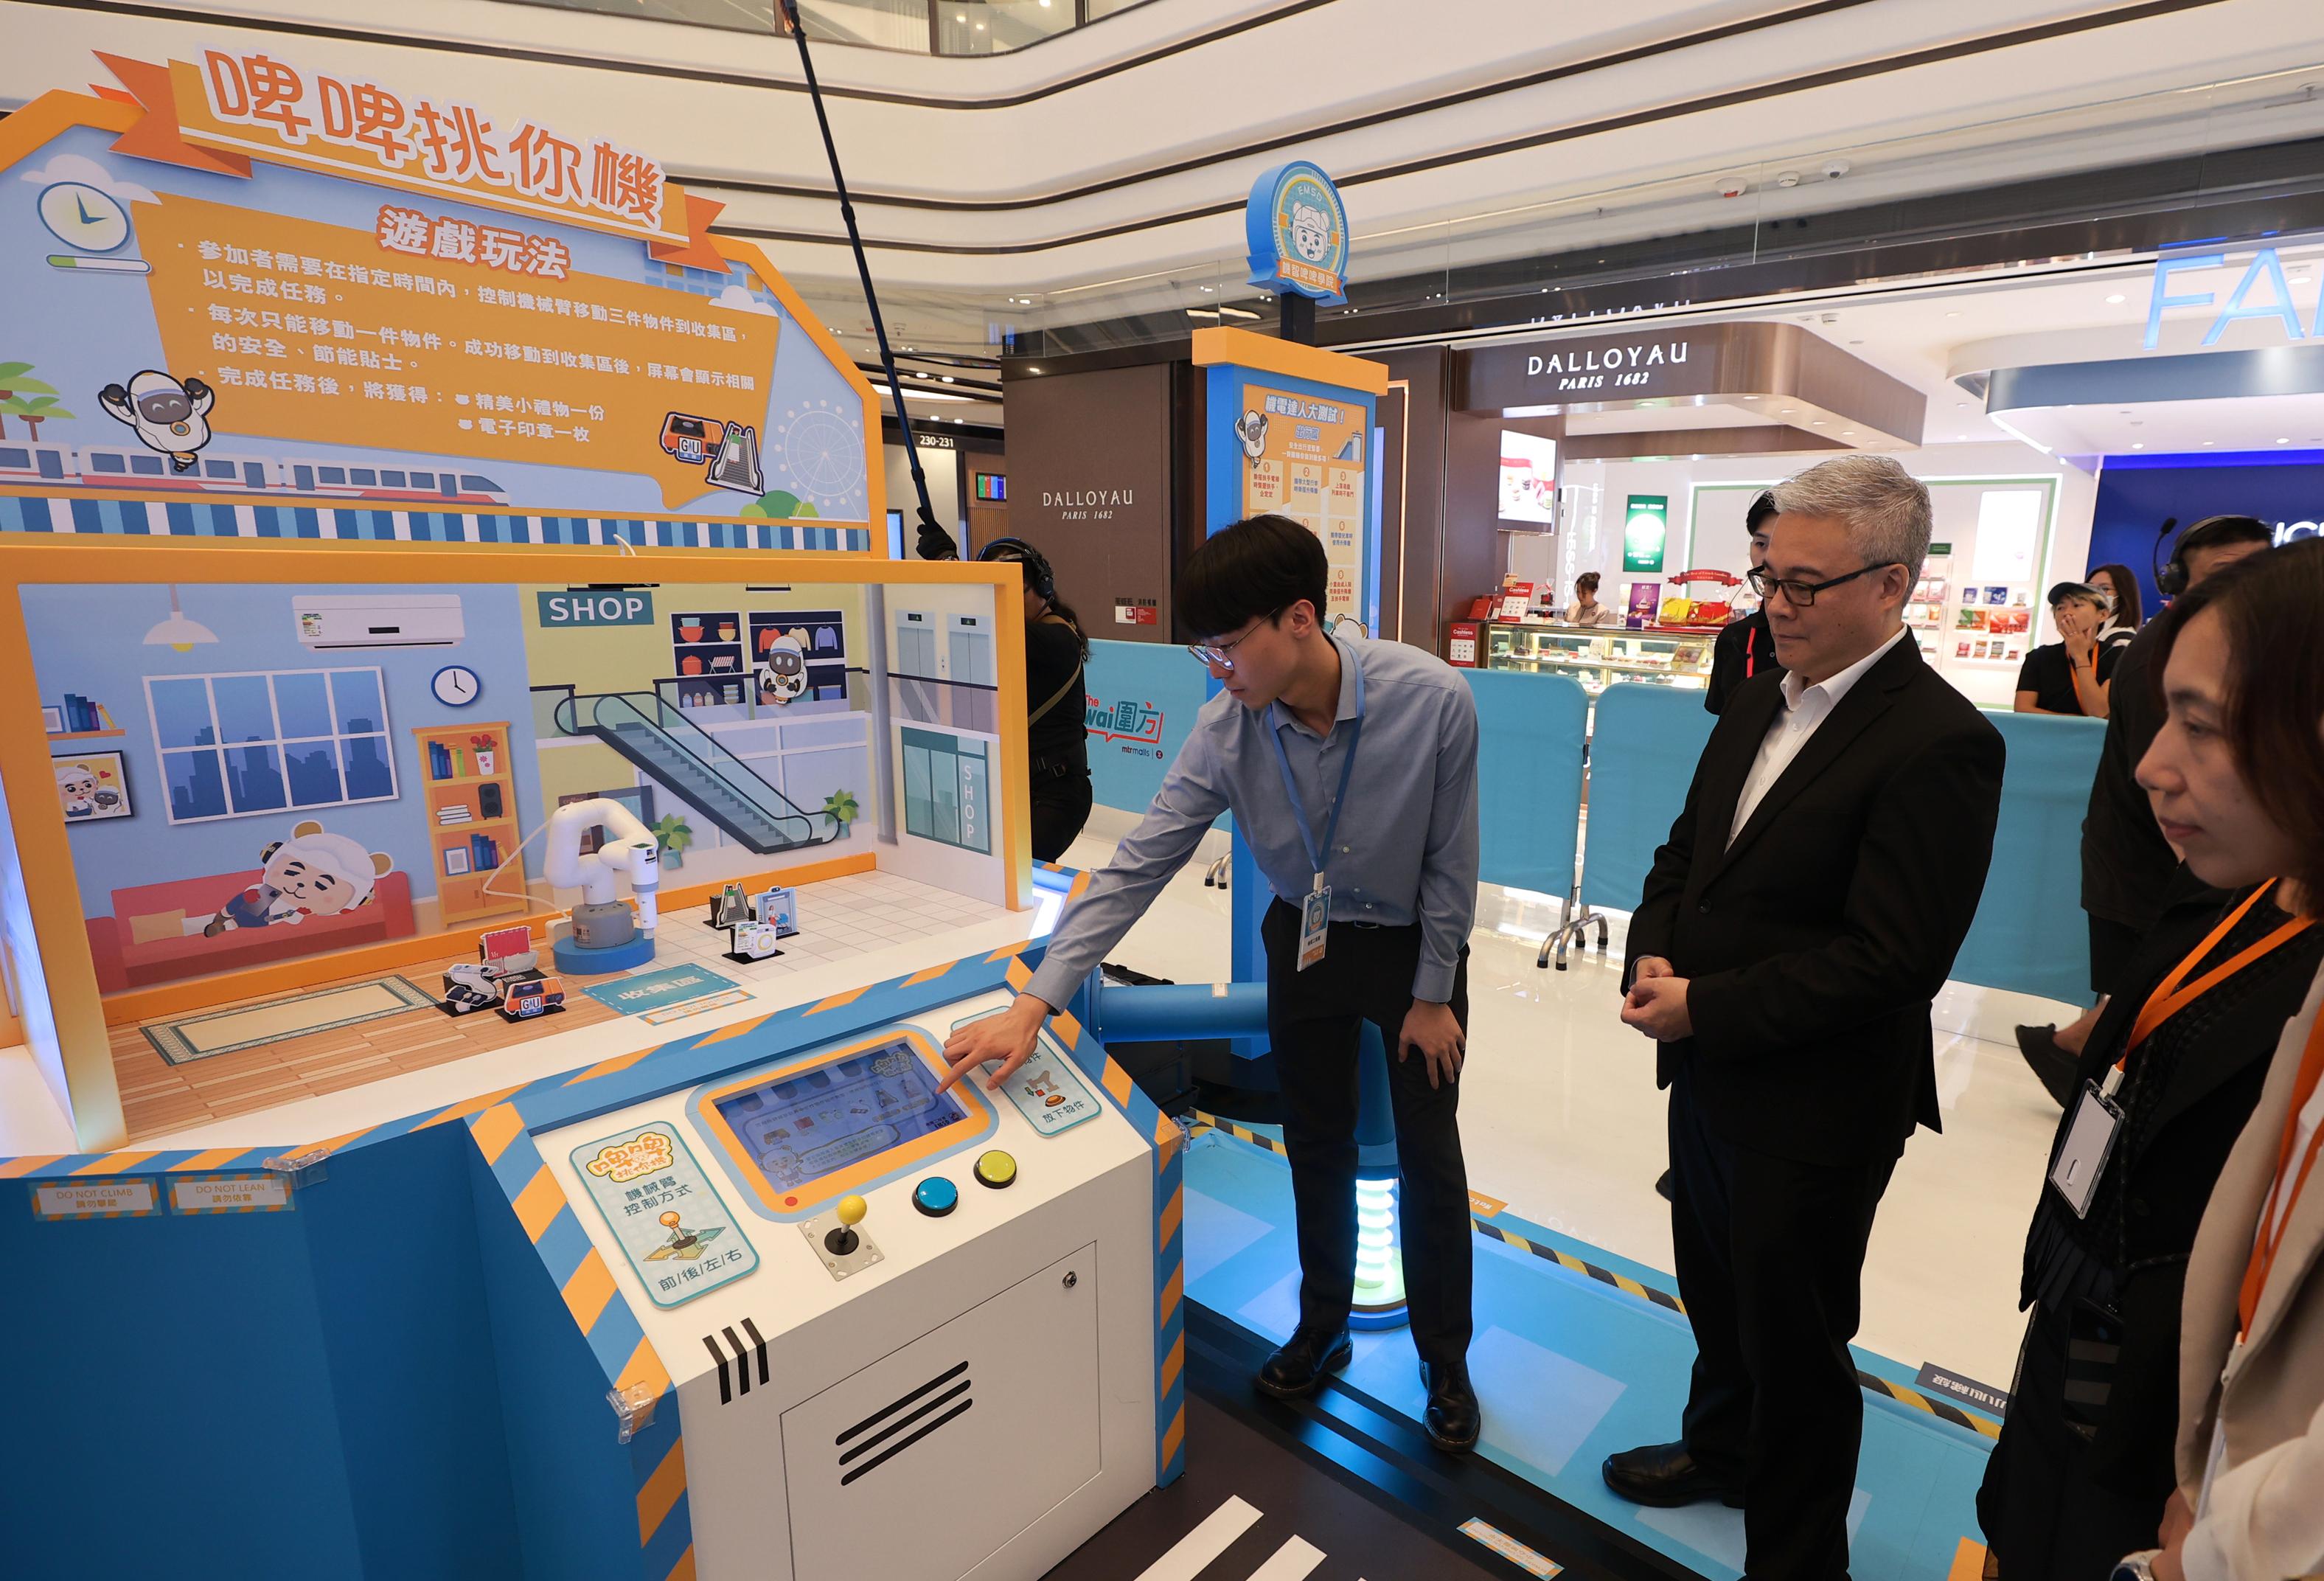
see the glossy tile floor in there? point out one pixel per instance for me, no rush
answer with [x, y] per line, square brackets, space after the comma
[1562, 1122]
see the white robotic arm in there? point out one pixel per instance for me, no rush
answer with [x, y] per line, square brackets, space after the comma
[629, 849]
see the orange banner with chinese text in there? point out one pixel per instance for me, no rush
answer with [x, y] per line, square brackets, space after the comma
[252, 103]
[433, 335]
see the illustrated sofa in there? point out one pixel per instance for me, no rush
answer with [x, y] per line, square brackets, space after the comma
[154, 932]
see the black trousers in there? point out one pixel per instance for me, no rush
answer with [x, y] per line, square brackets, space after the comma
[1061, 806]
[1314, 1021]
[2044, 1513]
[1770, 1257]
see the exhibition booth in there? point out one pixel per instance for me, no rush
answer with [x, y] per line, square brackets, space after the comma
[498, 838]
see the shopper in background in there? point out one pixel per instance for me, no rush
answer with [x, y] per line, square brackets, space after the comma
[1746, 647]
[2126, 863]
[1056, 719]
[2071, 675]
[2085, 1460]
[2237, 775]
[1784, 955]
[1351, 767]
[1587, 611]
[2119, 587]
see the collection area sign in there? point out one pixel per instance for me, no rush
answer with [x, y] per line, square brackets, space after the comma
[237, 274]
[1305, 458]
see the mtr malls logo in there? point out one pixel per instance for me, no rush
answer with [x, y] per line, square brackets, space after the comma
[1136, 724]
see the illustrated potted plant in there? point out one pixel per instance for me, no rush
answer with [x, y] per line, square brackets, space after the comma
[673, 835]
[840, 807]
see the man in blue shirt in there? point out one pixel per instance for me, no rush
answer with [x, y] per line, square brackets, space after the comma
[1351, 767]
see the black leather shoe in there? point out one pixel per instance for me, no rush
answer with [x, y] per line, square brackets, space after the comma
[2051, 1066]
[1666, 1476]
[1452, 1418]
[1304, 1358]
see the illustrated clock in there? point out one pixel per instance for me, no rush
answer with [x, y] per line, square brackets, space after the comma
[455, 686]
[81, 216]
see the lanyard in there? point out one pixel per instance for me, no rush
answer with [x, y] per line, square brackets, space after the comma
[2174, 993]
[1316, 854]
[2273, 1223]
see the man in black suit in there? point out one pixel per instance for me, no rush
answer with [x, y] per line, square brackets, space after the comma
[1790, 939]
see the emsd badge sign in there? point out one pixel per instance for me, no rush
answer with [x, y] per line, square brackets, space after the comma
[1297, 233]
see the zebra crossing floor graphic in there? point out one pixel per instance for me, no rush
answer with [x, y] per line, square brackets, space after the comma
[1572, 1359]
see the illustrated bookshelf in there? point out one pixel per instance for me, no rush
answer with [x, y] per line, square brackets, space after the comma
[471, 806]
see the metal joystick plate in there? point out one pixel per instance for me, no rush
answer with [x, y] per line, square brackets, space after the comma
[865, 1254]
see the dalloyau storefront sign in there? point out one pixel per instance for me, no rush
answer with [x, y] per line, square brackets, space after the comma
[1085, 504]
[1590, 369]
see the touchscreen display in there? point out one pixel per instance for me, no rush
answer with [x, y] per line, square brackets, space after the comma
[800, 1128]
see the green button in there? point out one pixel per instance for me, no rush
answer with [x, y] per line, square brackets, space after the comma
[996, 1170]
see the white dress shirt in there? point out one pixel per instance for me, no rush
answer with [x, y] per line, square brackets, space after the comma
[1805, 708]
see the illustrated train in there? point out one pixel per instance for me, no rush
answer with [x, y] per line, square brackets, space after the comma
[219, 472]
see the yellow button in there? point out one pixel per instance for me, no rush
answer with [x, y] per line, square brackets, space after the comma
[996, 1170]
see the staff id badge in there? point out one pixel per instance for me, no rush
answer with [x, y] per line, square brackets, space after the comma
[2097, 1120]
[1315, 924]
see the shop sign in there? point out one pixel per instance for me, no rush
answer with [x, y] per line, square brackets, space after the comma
[1297, 231]
[583, 607]
[2263, 279]
[1612, 369]
[1646, 530]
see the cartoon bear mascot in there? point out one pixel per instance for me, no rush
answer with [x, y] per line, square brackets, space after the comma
[313, 874]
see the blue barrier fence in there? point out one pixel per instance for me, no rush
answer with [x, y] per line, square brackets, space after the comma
[1530, 731]
[2029, 936]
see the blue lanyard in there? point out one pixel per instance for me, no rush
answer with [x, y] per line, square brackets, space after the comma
[1315, 854]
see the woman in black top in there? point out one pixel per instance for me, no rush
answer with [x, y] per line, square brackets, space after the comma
[2084, 1464]
[1056, 713]
[2071, 675]
[1746, 647]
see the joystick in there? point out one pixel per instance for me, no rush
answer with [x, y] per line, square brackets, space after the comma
[844, 1241]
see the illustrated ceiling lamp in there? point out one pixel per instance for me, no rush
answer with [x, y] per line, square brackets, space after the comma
[178, 632]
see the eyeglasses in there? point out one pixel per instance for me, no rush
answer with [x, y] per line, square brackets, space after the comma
[1800, 594]
[1222, 654]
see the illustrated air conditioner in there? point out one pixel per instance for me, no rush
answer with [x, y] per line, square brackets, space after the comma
[329, 621]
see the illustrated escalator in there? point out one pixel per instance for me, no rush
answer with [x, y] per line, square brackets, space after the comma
[680, 755]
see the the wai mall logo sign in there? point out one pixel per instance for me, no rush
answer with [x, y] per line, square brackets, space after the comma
[1087, 505]
[1607, 367]
[1136, 725]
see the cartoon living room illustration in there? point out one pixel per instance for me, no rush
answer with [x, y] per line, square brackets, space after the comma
[568, 786]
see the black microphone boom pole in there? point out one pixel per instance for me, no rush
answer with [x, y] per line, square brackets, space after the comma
[934, 542]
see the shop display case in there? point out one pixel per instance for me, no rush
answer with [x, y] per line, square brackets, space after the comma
[1599, 656]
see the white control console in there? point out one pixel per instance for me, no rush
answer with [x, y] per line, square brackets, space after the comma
[913, 1334]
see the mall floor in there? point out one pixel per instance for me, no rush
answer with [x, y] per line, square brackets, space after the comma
[1561, 1121]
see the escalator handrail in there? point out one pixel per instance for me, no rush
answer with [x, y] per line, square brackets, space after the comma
[567, 720]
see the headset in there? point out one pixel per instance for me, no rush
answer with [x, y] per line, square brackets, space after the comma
[2173, 577]
[1038, 574]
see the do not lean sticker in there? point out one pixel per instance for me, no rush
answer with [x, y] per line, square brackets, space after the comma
[676, 1233]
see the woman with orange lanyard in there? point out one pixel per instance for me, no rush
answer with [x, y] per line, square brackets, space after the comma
[2237, 781]
[2165, 1084]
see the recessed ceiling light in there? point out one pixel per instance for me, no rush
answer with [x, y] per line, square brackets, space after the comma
[946, 377]
[1953, 313]
[2115, 298]
[1035, 370]
[980, 27]
[1816, 423]
[2138, 447]
[2283, 441]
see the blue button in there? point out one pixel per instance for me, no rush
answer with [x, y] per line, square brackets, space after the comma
[936, 1196]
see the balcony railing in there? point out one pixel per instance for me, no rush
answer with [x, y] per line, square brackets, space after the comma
[919, 27]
